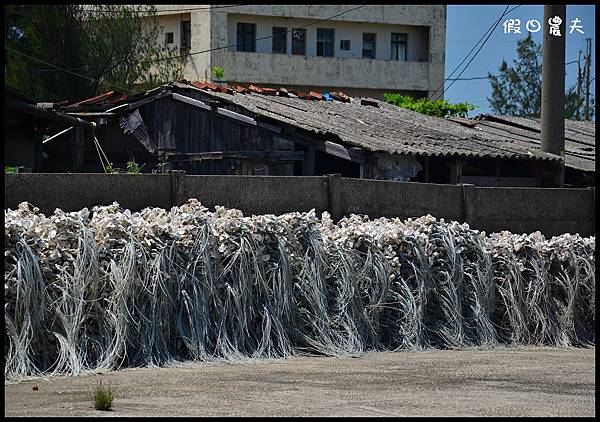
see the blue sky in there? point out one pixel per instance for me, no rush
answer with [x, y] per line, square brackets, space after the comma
[465, 26]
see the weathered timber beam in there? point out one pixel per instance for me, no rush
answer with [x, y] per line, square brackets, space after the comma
[236, 116]
[191, 101]
[356, 155]
[219, 155]
[269, 127]
[140, 103]
[341, 151]
[49, 116]
[221, 111]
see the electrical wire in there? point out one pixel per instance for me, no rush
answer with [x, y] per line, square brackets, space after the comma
[179, 56]
[68, 71]
[480, 47]
[490, 30]
[487, 77]
[247, 42]
[174, 11]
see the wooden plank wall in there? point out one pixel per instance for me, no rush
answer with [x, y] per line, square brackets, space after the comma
[182, 128]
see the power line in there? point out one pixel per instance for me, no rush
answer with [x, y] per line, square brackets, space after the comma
[490, 30]
[44, 70]
[247, 42]
[468, 79]
[517, 40]
[180, 56]
[191, 9]
[68, 71]
[175, 11]
[487, 77]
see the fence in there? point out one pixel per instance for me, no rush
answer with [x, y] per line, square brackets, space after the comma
[520, 210]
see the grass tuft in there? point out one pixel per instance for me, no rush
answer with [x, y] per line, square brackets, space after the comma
[103, 398]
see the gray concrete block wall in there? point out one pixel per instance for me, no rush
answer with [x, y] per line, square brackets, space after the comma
[71, 192]
[523, 210]
[519, 210]
[379, 198]
[256, 194]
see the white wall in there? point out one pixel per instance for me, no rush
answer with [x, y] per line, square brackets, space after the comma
[417, 36]
[171, 23]
[425, 26]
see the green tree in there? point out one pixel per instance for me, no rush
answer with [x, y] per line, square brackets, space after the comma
[517, 90]
[114, 46]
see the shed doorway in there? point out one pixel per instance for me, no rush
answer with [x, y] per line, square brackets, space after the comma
[330, 164]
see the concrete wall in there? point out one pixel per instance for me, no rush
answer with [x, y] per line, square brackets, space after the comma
[550, 211]
[519, 210]
[256, 194]
[171, 23]
[399, 199]
[417, 36]
[284, 69]
[71, 192]
[425, 25]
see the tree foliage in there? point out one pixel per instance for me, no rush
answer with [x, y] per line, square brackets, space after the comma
[437, 108]
[517, 89]
[115, 46]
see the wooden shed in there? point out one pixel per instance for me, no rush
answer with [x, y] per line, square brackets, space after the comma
[211, 129]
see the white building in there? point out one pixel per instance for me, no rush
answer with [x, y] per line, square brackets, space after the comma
[367, 51]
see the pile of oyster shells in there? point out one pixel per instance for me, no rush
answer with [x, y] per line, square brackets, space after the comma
[109, 288]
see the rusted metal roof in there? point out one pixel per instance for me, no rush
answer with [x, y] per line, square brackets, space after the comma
[580, 136]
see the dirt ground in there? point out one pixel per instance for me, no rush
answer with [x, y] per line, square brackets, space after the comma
[524, 381]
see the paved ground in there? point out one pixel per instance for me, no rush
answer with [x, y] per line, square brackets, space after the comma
[525, 381]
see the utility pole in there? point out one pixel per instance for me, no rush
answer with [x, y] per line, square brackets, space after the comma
[588, 61]
[552, 119]
[579, 80]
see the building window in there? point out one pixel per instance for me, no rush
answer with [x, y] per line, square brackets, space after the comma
[344, 44]
[168, 38]
[279, 40]
[325, 42]
[246, 37]
[369, 41]
[299, 41]
[398, 51]
[186, 36]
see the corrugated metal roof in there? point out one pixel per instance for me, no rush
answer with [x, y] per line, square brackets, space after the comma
[385, 128]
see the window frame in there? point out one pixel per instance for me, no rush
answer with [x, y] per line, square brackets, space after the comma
[242, 45]
[295, 42]
[282, 31]
[185, 36]
[374, 49]
[322, 40]
[342, 45]
[397, 43]
[169, 38]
